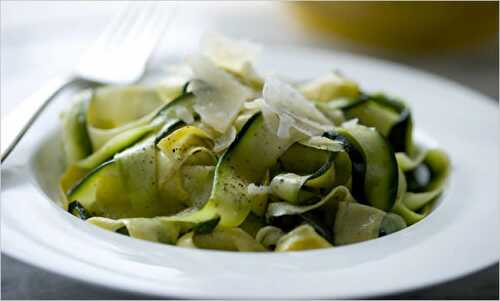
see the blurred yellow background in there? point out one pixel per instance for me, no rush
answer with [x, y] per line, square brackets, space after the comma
[405, 26]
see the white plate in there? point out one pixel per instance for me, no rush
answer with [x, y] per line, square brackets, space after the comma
[460, 236]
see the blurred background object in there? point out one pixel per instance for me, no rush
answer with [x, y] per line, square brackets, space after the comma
[407, 26]
[40, 39]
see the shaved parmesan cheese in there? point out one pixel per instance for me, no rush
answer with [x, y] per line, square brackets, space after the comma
[219, 96]
[221, 140]
[350, 123]
[224, 141]
[184, 114]
[255, 104]
[242, 119]
[250, 108]
[323, 143]
[335, 116]
[285, 124]
[292, 110]
[235, 56]
[232, 55]
[328, 87]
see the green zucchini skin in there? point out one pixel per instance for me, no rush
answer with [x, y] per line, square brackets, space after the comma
[80, 185]
[123, 231]
[400, 135]
[115, 145]
[246, 161]
[167, 129]
[319, 225]
[358, 165]
[321, 171]
[206, 227]
[361, 99]
[184, 98]
[78, 210]
[374, 166]
[302, 160]
[399, 132]
[296, 189]
[83, 192]
[76, 141]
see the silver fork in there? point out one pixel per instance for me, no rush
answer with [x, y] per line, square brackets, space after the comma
[118, 57]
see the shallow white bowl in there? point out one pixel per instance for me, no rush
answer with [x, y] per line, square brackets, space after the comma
[460, 236]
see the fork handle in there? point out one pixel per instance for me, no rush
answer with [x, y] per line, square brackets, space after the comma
[16, 123]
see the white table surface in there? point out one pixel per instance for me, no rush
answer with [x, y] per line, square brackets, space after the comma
[43, 39]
